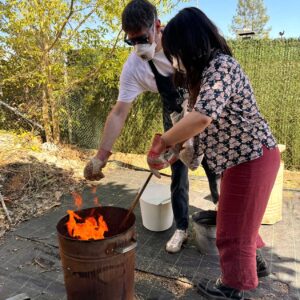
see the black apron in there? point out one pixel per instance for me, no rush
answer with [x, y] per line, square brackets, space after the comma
[172, 98]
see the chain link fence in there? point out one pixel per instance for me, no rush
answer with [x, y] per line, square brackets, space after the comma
[274, 70]
[273, 67]
[85, 122]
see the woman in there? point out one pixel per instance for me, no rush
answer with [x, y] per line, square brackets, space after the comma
[234, 137]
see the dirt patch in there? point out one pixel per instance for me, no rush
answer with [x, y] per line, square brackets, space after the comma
[31, 188]
[32, 180]
[176, 288]
[291, 180]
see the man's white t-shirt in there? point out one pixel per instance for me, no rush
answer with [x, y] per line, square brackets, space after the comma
[137, 76]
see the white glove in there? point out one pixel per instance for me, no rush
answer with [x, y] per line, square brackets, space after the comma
[93, 169]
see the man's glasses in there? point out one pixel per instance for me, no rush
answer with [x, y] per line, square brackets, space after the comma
[143, 39]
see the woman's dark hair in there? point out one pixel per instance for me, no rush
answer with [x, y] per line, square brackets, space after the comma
[193, 37]
[137, 15]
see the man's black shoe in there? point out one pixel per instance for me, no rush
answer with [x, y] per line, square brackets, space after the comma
[262, 267]
[212, 290]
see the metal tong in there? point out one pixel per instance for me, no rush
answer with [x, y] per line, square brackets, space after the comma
[136, 200]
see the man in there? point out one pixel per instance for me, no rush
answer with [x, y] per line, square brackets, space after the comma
[148, 69]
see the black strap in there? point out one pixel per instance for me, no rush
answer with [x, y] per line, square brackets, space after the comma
[154, 70]
[170, 95]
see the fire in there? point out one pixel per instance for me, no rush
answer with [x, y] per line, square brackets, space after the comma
[96, 201]
[77, 199]
[89, 228]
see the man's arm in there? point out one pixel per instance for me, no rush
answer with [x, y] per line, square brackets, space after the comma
[112, 129]
[114, 125]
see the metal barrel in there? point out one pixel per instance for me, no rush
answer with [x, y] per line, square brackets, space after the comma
[100, 269]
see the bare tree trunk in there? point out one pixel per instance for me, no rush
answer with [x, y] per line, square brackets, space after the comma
[45, 98]
[50, 110]
[67, 102]
[70, 124]
[55, 117]
[51, 100]
[45, 113]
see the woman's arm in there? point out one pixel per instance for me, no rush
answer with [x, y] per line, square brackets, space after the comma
[191, 125]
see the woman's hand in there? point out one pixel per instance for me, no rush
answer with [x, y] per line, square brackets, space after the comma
[160, 156]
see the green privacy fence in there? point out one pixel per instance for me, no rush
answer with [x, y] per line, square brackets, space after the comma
[274, 71]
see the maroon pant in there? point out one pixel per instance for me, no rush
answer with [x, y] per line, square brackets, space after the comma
[245, 190]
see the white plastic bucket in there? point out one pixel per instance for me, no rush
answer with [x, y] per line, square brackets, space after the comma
[156, 208]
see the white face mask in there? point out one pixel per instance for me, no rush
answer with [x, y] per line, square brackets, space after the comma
[146, 51]
[178, 65]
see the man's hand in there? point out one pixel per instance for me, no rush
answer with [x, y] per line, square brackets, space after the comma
[93, 169]
[160, 156]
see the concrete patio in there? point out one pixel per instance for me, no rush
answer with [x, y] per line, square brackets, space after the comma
[30, 261]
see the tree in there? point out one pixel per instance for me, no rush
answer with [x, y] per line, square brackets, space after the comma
[251, 16]
[36, 38]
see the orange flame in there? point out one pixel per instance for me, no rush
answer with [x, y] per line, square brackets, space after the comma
[89, 228]
[77, 199]
[93, 191]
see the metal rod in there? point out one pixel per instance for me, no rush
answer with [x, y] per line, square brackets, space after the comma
[136, 200]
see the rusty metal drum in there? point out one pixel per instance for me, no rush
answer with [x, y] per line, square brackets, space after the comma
[100, 269]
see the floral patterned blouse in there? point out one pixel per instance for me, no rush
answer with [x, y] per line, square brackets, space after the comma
[238, 130]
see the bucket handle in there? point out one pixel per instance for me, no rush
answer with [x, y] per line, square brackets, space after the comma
[122, 250]
[165, 201]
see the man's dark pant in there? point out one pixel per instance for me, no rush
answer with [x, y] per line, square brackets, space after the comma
[180, 194]
[180, 185]
[180, 191]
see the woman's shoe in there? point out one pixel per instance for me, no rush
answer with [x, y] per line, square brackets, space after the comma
[262, 267]
[215, 290]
